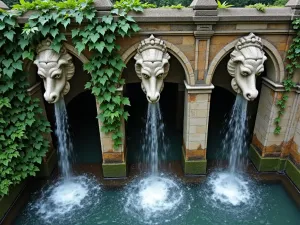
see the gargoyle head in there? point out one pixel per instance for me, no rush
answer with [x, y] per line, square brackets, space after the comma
[152, 66]
[246, 62]
[55, 69]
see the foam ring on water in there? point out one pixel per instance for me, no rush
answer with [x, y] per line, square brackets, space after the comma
[154, 199]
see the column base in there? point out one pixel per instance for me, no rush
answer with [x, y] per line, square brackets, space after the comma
[114, 170]
[194, 167]
[48, 166]
[272, 164]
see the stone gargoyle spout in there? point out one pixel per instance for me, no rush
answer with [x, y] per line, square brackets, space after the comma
[246, 62]
[55, 69]
[152, 66]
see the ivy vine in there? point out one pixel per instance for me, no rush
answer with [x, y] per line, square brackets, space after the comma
[21, 141]
[22, 144]
[293, 56]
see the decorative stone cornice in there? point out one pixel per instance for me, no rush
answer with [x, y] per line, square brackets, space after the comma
[202, 88]
[103, 5]
[204, 4]
[271, 84]
[294, 4]
[33, 89]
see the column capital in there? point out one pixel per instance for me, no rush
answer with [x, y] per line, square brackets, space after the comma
[201, 89]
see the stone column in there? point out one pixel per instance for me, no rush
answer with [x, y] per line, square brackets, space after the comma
[179, 102]
[114, 160]
[196, 117]
[265, 143]
[49, 162]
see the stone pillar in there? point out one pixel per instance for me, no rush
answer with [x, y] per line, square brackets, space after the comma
[196, 117]
[49, 162]
[114, 160]
[265, 143]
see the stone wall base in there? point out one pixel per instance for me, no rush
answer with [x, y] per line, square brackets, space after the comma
[8, 201]
[193, 167]
[48, 165]
[114, 170]
[273, 164]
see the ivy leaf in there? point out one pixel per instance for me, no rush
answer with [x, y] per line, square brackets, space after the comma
[10, 21]
[109, 38]
[2, 26]
[101, 30]
[125, 101]
[79, 18]
[75, 32]
[79, 47]
[54, 32]
[110, 47]
[107, 96]
[109, 72]
[113, 27]
[43, 20]
[66, 22]
[90, 16]
[7, 62]
[10, 34]
[130, 19]
[45, 30]
[103, 80]
[100, 46]
[23, 43]
[135, 27]
[107, 19]
[95, 37]
[18, 65]
[9, 71]
[27, 55]
[125, 28]
[115, 11]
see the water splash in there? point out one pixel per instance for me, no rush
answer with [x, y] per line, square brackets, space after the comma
[154, 143]
[65, 146]
[62, 199]
[231, 186]
[154, 199]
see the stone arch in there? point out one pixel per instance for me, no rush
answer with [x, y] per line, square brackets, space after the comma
[274, 63]
[180, 56]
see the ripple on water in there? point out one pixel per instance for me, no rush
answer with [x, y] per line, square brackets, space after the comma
[155, 199]
[61, 200]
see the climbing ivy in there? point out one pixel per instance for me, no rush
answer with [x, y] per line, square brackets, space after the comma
[21, 128]
[293, 56]
[22, 144]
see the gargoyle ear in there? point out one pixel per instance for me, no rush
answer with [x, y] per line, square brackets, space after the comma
[62, 62]
[138, 68]
[166, 66]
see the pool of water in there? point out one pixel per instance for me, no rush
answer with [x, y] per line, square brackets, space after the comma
[167, 200]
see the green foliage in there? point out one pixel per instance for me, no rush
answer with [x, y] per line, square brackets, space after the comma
[280, 2]
[22, 144]
[223, 5]
[259, 6]
[293, 57]
[133, 5]
[179, 6]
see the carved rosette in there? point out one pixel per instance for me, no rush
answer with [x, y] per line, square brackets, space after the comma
[152, 66]
[55, 69]
[246, 62]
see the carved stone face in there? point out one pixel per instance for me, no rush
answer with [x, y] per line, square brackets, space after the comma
[246, 62]
[55, 70]
[152, 75]
[152, 66]
[246, 77]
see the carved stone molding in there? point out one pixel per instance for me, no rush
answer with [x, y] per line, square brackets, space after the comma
[246, 62]
[152, 66]
[55, 69]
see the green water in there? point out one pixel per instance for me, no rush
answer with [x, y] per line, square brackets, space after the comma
[270, 205]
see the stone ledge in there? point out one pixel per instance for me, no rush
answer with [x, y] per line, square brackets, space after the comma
[114, 170]
[201, 89]
[273, 164]
[271, 84]
[194, 167]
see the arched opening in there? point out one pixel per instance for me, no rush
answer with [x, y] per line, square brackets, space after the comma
[221, 103]
[171, 105]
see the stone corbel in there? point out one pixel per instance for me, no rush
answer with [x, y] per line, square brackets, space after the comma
[203, 89]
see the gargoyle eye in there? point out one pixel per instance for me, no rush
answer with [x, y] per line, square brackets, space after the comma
[41, 76]
[245, 74]
[56, 76]
[160, 75]
[146, 76]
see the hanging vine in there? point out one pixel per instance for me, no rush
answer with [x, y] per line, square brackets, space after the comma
[21, 141]
[293, 56]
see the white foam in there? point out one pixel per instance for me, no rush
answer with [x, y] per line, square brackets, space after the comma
[229, 188]
[66, 196]
[153, 197]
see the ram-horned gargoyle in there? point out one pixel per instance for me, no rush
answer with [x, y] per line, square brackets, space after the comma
[152, 66]
[246, 62]
[55, 69]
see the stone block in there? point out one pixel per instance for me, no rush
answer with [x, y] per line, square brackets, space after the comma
[198, 121]
[201, 105]
[114, 170]
[188, 40]
[199, 113]
[197, 137]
